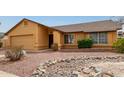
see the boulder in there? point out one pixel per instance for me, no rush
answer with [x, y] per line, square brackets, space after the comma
[98, 74]
[86, 70]
[98, 69]
[67, 60]
[107, 74]
[54, 62]
[77, 74]
[24, 53]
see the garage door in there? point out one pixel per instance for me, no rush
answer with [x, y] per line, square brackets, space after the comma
[26, 41]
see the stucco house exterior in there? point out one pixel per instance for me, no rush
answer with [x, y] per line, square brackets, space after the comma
[35, 36]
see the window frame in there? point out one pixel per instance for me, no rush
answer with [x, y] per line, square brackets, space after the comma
[104, 38]
[69, 38]
[99, 39]
[96, 35]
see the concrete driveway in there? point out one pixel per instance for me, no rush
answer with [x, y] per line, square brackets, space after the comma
[5, 74]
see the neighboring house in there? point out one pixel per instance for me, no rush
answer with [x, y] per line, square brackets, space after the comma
[120, 32]
[33, 35]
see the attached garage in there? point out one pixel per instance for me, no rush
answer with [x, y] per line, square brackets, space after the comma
[26, 41]
[28, 34]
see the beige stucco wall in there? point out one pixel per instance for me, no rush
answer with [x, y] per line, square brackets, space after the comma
[39, 33]
[57, 38]
[42, 37]
[22, 30]
[112, 36]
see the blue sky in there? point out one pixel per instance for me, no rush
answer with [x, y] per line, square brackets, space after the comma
[8, 22]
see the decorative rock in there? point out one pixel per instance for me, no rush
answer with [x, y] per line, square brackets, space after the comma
[73, 58]
[40, 68]
[35, 73]
[67, 60]
[98, 58]
[62, 60]
[43, 70]
[24, 53]
[86, 70]
[40, 73]
[105, 74]
[98, 69]
[99, 74]
[76, 73]
[72, 67]
[54, 62]
[92, 74]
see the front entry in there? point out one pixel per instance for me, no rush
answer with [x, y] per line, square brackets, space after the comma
[50, 40]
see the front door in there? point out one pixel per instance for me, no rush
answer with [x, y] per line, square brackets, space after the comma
[50, 40]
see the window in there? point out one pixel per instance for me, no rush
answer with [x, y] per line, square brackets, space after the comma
[103, 38]
[99, 37]
[68, 39]
[94, 37]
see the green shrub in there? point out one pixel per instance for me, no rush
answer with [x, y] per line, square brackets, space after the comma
[14, 53]
[55, 47]
[1, 44]
[85, 43]
[119, 45]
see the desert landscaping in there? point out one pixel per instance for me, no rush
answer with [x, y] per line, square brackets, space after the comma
[66, 64]
[83, 66]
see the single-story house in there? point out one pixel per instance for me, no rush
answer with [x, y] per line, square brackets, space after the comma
[33, 35]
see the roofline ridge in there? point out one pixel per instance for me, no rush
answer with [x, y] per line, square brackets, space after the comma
[83, 23]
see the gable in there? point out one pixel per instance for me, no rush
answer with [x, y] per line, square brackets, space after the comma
[23, 27]
[31, 24]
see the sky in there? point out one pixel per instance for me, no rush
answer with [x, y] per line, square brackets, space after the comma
[7, 22]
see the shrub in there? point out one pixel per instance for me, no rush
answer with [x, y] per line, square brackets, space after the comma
[119, 45]
[14, 53]
[1, 44]
[55, 47]
[85, 43]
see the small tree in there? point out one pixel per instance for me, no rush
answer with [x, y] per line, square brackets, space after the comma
[119, 45]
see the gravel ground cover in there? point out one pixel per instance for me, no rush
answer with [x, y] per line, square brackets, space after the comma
[26, 66]
[81, 66]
